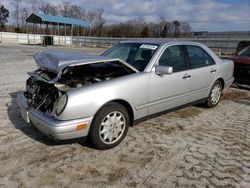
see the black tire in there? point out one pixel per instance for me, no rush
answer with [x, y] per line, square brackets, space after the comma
[95, 136]
[209, 101]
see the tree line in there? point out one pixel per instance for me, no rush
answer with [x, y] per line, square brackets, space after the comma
[136, 27]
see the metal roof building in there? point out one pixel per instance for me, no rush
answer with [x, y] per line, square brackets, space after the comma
[55, 20]
[45, 20]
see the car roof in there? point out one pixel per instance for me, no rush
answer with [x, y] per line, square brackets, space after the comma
[163, 42]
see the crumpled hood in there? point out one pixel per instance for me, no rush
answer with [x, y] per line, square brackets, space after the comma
[57, 60]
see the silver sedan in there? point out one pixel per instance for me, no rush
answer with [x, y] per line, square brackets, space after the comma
[74, 95]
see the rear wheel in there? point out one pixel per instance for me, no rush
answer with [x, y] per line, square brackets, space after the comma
[109, 126]
[214, 95]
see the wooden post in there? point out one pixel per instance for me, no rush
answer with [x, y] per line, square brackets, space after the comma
[71, 34]
[34, 33]
[40, 33]
[27, 26]
[90, 30]
[65, 33]
[51, 31]
[78, 35]
[44, 34]
[58, 33]
[85, 36]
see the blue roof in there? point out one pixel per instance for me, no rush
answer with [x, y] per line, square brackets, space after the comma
[48, 19]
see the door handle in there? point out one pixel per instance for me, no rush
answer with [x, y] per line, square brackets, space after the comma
[213, 70]
[186, 76]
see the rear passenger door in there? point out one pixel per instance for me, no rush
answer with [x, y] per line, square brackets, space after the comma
[202, 70]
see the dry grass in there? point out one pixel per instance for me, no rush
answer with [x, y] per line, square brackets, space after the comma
[235, 95]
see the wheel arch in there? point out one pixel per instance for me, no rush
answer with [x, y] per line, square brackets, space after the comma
[222, 82]
[126, 105]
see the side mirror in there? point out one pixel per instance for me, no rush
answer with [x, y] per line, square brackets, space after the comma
[161, 70]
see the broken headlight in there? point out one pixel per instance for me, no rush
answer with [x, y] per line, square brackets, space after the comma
[61, 104]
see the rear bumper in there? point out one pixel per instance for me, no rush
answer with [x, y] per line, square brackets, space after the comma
[56, 129]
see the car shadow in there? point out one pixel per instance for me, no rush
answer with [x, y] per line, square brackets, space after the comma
[31, 131]
[245, 101]
[241, 86]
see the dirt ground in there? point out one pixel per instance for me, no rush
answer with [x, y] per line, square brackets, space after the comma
[192, 147]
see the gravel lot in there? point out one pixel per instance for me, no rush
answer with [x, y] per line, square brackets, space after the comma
[192, 147]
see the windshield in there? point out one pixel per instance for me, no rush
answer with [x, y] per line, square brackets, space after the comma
[136, 54]
[245, 52]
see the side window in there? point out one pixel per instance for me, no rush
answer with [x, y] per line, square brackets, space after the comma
[198, 57]
[174, 57]
[208, 59]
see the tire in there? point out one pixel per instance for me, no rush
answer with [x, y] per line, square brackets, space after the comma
[109, 127]
[214, 95]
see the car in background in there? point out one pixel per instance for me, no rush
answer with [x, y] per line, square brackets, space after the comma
[242, 66]
[73, 95]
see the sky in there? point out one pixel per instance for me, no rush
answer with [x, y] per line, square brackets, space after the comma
[202, 15]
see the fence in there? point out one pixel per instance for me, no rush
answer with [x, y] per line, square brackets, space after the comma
[22, 38]
[218, 45]
[225, 34]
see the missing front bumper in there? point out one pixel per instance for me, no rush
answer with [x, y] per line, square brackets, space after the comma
[56, 129]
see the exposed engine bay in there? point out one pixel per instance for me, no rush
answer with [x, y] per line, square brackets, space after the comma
[44, 87]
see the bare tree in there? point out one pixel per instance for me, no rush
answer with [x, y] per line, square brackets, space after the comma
[64, 8]
[34, 5]
[76, 11]
[145, 32]
[164, 27]
[176, 25]
[47, 8]
[138, 27]
[91, 17]
[16, 9]
[4, 14]
[186, 29]
[24, 15]
[100, 21]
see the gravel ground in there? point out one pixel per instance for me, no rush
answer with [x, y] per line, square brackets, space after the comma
[192, 147]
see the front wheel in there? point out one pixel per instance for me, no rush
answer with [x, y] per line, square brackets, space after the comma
[110, 126]
[214, 95]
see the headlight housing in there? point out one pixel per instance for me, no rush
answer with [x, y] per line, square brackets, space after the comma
[61, 104]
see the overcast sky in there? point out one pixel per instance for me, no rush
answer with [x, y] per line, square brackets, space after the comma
[203, 15]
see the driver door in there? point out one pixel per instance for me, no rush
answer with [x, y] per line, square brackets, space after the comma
[169, 90]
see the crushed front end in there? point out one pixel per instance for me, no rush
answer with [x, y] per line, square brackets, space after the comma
[46, 96]
[42, 103]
